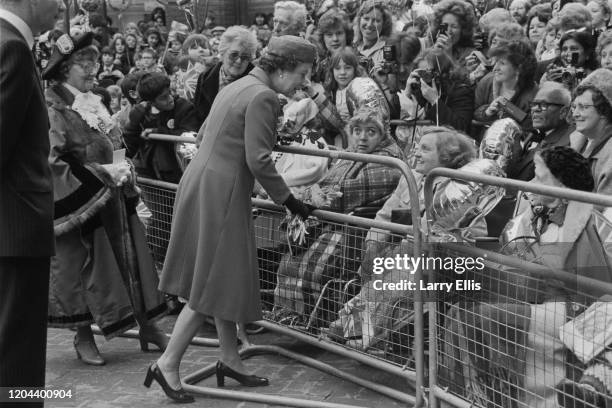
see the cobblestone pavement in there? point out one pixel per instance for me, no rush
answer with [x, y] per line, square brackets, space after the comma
[119, 382]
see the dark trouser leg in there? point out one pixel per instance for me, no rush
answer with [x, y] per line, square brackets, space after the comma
[24, 297]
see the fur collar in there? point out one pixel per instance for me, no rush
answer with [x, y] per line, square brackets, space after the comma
[59, 97]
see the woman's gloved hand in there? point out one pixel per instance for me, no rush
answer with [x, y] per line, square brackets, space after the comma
[298, 207]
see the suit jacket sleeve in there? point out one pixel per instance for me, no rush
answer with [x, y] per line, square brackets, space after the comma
[16, 66]
[260, 138]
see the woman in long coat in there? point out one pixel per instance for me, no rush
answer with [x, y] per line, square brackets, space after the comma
[102, 270]
[211, 258]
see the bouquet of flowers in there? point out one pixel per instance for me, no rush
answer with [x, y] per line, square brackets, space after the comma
[297, 228]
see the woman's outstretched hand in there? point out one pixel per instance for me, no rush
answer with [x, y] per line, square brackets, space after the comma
[298, 207]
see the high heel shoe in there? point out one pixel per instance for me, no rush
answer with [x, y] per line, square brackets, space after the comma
[179, 395]
[151, 334]
[87, 352]
[248, 380]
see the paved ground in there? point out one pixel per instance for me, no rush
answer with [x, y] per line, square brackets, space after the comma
[119, 383]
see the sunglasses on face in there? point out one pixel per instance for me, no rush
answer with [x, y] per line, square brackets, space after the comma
[543, 106]
[234, 55]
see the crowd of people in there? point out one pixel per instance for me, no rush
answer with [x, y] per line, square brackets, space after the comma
[520, 90]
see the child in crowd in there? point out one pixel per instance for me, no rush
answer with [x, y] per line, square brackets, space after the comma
[116, 99]
[109, 73]
[147, 62]
[174, 51]
[129, 97]
[121, 56]
[217, 32]
[197, 49]
[161, 113]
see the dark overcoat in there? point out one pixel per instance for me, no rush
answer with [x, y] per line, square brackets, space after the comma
[212, 256]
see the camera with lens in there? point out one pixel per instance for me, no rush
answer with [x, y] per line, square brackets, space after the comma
[571, 73]
[481, 40]
[389, 64]
[426, 75]
[443, 29]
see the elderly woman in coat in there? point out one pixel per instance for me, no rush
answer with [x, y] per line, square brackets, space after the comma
[211, 258]
[362, 185]
[102, 272]
[521, 357]
[237, 49]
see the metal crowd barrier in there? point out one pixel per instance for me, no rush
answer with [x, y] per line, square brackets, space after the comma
[306, 288]
[501, 346]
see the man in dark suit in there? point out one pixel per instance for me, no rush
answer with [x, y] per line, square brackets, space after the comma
[549, 111]
[26, 197]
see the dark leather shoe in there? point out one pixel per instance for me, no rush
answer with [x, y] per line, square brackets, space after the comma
[87, 352]
[152, 334]
[247, 380]
[179, 395]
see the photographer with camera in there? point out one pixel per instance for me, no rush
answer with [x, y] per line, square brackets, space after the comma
[478, 64]
[438, 90]
[508, 90]
[576, 61]
[453, 28]
[391, 74]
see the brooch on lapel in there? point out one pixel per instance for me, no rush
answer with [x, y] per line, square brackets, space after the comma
[170, 124]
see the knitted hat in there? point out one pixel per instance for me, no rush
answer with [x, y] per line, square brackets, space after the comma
[600, 79]
[290, 46]
[569, 167]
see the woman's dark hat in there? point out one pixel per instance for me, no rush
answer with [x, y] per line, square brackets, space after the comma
[63, 48]
[290, 46]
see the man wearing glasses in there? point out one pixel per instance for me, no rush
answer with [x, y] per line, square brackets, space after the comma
[549, 110]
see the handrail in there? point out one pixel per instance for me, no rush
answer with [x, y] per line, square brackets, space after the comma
[171, 138]
[570, 194]
[536, 269]
[419, 345]
[416, 232]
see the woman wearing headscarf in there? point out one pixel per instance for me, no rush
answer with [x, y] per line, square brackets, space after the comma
[102, 272]
[211, 259]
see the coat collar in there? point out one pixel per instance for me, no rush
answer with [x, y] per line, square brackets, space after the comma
[59, 96]
[262, 76]
[20, 25]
